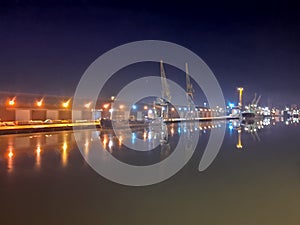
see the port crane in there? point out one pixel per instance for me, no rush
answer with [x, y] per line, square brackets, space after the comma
[166, 97]
[254, 102]
[189, 88]
[165, 92]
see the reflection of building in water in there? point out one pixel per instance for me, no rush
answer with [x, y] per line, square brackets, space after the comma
[251, 127]
[155, 134]
[36, 144]
[292, 120]
[163, 136]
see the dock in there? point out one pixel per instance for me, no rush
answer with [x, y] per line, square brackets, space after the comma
[35, 128]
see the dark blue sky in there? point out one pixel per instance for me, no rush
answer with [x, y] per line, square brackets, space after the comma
[45, 47]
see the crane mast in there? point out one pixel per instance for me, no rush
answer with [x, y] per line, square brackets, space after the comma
[165, 92]
[189, 88]
[258, 99]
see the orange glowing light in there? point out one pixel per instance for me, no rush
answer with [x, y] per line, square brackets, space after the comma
[120, 140]
[38, 155]
[145, 107]
[39, 103]
[12, 102]
[105, 141]
[105, 106]
[66, 104]
[10, 154]
[38, 150]
[65, 146]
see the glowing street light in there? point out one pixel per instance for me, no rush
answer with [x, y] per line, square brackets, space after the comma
[240, 90]
[66, 104]
[87, 105]
[39, 103]
[12, 102]
[145, 107]
[105, 106]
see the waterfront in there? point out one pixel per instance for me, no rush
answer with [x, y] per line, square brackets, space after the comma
[45, 180]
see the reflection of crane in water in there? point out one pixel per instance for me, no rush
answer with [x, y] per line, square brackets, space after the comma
[252, 129]
[249, 127]
[164, 135]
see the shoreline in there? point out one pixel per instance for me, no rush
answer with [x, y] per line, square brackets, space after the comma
[21, 129]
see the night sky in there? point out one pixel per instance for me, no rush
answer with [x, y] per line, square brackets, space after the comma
[45, 47]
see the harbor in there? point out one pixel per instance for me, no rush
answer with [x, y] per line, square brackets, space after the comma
[149, 112]
[25, 113]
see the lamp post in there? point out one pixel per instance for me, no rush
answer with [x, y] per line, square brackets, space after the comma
[240, 90]
[12, 101]
[66, 104]
[39, 103]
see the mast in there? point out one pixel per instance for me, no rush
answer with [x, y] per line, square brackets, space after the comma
[165, 92]
[189, 88]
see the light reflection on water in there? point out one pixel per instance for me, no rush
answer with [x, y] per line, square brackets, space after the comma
[255, 178]
[37, 144]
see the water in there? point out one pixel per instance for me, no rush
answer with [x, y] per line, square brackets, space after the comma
[255, 180]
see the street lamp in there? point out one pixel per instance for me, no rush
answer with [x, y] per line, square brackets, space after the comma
[105, 106]
[66, 104]
[240, 90]
[87, 105]
[39, 103]
[12, 102]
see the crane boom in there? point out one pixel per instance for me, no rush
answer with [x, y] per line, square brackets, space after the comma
[253, 101]
[257, 100]
[189, 87]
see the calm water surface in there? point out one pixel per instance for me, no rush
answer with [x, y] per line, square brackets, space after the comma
[255, 178]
